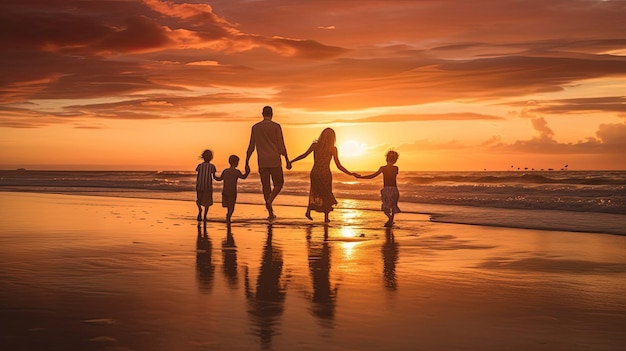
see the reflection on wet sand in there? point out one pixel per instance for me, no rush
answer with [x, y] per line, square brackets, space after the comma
[229, 257]
[323, 300]
[204, 266]
[118, 282]
[266, 304]
[390, 259]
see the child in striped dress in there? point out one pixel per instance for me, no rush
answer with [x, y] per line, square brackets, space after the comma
[204, 184]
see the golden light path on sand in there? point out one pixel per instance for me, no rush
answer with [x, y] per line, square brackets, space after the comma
[102, 273]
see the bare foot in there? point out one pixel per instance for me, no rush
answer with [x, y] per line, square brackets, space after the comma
[270, 210]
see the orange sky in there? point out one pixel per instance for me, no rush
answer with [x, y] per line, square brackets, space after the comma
[450, 85]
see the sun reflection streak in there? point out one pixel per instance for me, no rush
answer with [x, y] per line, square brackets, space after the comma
[348, 249]
[350, 216]
[348, 203]
[349, 246]
[348, 232]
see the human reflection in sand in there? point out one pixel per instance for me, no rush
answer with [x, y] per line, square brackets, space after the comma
[390, 258]
[323, 300]
[266, 304]
[204, 267]
[229, 257]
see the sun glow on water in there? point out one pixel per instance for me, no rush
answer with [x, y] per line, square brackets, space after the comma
[349, 245]
[349, 216]
[347, 232]
[349, 248]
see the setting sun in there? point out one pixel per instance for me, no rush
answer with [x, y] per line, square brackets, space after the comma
[402, 77]
[268, 175]
[352, 148]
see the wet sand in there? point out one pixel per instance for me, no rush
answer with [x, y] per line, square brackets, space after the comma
[104, 273]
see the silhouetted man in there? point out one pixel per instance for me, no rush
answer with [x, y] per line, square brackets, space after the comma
[267, 138]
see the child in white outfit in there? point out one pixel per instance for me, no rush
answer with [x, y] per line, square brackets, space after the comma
[389, 194]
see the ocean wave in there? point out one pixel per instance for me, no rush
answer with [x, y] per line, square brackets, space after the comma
[565, 178]
[588, 191]
[174, 174]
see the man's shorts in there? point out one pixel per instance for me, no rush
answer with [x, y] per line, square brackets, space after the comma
[275, 173]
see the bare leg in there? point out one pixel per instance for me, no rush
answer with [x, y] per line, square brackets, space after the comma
[390, 219]
[206, 211]
[229, 214]
[268, 204]
[274, 193]
[267, 193]
[308, 213]
[199, 211]
[326, 219]
[270, 200]
[270, 211]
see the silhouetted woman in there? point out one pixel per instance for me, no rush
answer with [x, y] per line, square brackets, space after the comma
[321, 198]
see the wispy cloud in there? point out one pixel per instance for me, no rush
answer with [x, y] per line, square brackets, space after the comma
[83, 62]
[78, 47]
[609, 104]
[395, 118]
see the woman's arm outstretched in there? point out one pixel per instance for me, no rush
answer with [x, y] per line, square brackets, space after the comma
[338, 163]
[305, 154]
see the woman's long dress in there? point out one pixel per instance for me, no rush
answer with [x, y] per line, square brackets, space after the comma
[321, 198]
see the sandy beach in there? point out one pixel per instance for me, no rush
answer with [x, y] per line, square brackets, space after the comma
[105, 273]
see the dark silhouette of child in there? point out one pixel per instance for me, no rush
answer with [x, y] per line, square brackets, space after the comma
[230, 176]
[389, 193]
[204, 183]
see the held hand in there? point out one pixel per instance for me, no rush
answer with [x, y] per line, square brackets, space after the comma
[356, 175]
[288, 164]
[247, 168]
